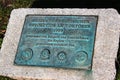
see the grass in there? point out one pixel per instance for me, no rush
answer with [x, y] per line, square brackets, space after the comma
[6, 6]
[5, 78]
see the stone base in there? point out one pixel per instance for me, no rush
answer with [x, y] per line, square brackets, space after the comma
[105, 50]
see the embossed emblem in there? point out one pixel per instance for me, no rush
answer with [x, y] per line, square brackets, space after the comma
[61, 56]
[81, 57]
[27, 54]
[45, 54]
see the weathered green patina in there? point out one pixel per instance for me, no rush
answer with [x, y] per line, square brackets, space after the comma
[62, 41]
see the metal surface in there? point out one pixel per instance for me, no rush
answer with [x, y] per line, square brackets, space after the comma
[57, 41]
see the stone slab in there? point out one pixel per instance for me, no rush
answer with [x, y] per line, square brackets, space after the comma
[105, 50]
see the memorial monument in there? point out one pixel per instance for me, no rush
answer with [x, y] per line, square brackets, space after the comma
[61, 44]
